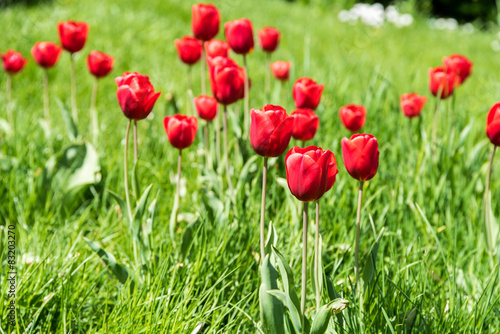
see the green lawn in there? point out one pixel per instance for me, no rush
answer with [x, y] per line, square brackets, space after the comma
[428, 199]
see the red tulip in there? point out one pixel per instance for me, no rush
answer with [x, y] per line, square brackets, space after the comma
[305, 124]
[493, 125]
[310, 172]
[353, 116]
[73, 35]
[442, 82]
[181, 130]
[269, 38]
[360, 155]
[205, 21]
[46, 54]
[136, 95]
[189, 49]
[281, 70]
[206, 107]
[216, 48]
[307, 93]
[239, 35]
[227, 80]
[458, 64]
[100, 64]
[270, 130]
[412, 104]
[13, 62]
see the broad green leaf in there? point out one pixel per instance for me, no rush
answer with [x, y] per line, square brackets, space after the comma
[272, 238]
[370, 269]
[272, 313]
[68, 120]
[139, 212]
[123, 206]
[321, 319]
[410, 320]
[187, 240]
[118, 270]
[135, 180]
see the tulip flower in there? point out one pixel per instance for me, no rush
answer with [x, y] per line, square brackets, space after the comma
[442, 83]
[269, 38]
[228, 81]
[205, 21]
[307, 93]
[13, 62]
[99, 65]
[216, 48]
[305, 124]
[189, 50]
[412, 104]
[270, 132]
[137, 98]
[206, 107]
[493, 133]
[281, 70]
[361, 157]
[181, 132]
[310, 173]
[459, 64]
[239, 35]
[73, 36]
[46, 55]
[353, 116]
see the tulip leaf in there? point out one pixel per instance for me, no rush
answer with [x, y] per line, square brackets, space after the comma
[333, 295]
[187, 240]
[118, 270]
[292, 303]
[68, 120]
[290, 199]
[370, 269]
[243, 175]
[135, 180]
[321, 319]
[410, 320]
[147, 230]
[272, 238]
[318, 275]
[272, 313]
[121, 203]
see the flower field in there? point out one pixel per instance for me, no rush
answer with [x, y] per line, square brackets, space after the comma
[331, 176]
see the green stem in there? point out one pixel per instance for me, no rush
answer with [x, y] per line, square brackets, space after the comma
[489, 237]
[173, 217]
[268, 75]
[283, 92]
[8, 97]
[226, 154]
[262, 212]
[46, 110]
[316, 260]
[208, 161]
[203, 61]
[136, 150]
[189, 79]
[358, 230]
[435, 120]
[94, 125]
[217, 138]
[125, 169]
[74, 109]
[304, 262]
[246, 111]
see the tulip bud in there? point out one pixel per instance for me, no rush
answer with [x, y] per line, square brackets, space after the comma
[269, 39]
[412, 104]
[227, 80]
[46, 54]
[239, 35]
[206, 107]
[217, 48]
[458, 64]
[181, 130]
[305, 124]
[281, 70]
[73, 35]
[353, 116]
[493, 125]
[136, 95]
[188, 49]
[442, 83]
[13, 62]
[205, 21]
[310, 172]
[270, 130]
[361, 155]
[100, 64]
[307, 93]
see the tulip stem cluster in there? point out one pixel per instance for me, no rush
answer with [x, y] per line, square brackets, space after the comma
[74, 109]
[317, 261]
[8, 97]
[489, 236]
[262, 212]
[226, 155]
[94, 124]
[46, 109]
[136, 150]
[358, 230]
[173, 218]
[304, 261]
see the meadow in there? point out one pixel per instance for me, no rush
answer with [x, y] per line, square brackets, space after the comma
[423, 213]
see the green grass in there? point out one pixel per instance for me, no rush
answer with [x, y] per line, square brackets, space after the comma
[432, 256]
